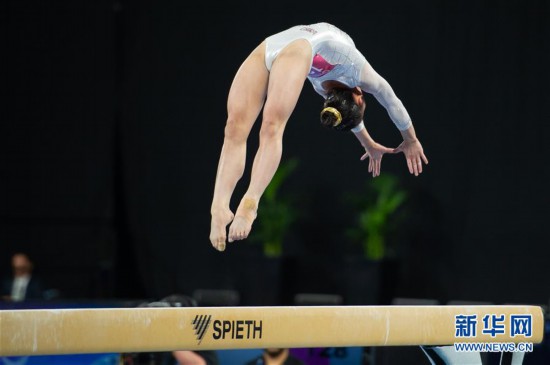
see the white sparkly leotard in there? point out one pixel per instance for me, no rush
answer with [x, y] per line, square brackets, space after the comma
[335, 58]
[334, 55]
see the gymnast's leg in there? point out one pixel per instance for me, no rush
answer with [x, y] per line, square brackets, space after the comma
[286, 81]
[244, 102]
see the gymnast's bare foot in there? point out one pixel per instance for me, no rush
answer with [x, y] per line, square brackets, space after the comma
[218, 225]
[245, 216]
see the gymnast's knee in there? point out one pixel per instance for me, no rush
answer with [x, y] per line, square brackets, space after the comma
[236, 130]
[272, 129]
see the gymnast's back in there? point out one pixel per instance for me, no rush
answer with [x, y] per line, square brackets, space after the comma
[334, 55]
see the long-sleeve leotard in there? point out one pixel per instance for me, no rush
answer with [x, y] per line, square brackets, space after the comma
[335, 58]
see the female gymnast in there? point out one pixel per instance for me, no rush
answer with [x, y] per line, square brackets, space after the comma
[272, 78]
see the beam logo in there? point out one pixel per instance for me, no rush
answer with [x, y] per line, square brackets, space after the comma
[226, 329]
[200, 325]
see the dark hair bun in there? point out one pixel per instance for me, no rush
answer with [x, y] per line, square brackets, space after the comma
[331, 117]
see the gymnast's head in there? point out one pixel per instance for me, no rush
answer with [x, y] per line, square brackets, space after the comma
[343, 109]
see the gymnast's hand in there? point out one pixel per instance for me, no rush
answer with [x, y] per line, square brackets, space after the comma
[414, 154]
[375, 151]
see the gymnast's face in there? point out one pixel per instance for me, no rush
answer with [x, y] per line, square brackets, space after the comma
[357, 95]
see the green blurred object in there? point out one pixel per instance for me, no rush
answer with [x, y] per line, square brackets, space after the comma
[275, 213]
[375, 208]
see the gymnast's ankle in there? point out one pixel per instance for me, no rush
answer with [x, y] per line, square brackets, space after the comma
[248, 208]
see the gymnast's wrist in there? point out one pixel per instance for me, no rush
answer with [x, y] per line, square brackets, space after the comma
[358, 128]
[409, 135]
[410, 140]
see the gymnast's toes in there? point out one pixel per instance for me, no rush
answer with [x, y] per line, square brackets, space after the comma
[239, 229]
[218, 243]
[220, 246]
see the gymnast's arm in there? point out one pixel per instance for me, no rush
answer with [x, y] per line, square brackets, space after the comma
[373, 83]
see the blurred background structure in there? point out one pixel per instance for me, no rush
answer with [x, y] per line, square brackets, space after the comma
[112, 123]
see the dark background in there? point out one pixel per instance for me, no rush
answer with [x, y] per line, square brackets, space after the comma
[112, 121]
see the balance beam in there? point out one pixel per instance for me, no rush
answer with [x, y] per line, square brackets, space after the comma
[122, 330]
